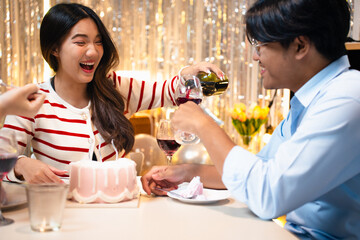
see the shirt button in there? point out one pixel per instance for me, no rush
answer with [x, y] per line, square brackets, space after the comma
[84, 116]
[91, 140]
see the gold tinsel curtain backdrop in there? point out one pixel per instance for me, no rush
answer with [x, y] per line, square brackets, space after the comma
[20, 56]
[155, 38]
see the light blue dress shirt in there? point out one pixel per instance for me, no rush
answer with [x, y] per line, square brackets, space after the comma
[312, 175]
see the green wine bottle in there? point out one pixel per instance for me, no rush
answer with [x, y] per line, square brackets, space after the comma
[211, 84]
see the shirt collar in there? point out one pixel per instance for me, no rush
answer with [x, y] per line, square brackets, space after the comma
[311, 88]
[62, 101]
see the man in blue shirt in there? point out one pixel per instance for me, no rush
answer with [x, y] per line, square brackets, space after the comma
[310, 169]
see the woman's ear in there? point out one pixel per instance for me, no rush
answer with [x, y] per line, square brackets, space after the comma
[55, 52]
[302, 45]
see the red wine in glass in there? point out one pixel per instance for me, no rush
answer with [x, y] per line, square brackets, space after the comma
[181, 100]
[7, 162]
[169, 146]
[166, 139]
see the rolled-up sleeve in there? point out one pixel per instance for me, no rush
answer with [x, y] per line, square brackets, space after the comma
[237, 166]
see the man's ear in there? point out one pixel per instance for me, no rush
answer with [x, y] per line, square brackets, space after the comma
[302, 45]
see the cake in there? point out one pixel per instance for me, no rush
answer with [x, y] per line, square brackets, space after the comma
[103, 182]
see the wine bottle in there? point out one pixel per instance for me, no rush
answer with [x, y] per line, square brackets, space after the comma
[211, 84]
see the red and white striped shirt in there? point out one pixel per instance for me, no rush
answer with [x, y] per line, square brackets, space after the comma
[60, 133]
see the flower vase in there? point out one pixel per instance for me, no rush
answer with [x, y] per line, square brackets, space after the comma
[250, 143]
[246, 140]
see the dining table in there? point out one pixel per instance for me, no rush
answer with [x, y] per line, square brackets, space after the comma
[146, 217]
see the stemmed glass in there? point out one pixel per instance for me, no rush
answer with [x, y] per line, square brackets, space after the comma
[166, 140]
[188, 89]
[8, 158]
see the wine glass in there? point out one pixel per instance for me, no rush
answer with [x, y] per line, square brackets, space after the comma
[188, 89]
[8, 158]
[166, 140]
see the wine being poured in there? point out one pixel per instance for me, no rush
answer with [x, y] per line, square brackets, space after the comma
[188, 89]
[211, 84]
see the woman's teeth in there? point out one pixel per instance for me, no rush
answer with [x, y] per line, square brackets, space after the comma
[87, 66]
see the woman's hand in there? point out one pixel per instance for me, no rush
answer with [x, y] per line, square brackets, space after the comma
[24, 101]
[203, 67]
[35, 171]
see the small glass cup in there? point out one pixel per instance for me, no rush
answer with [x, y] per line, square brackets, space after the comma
[46, 205]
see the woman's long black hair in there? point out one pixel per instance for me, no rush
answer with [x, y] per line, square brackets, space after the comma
[107, 105]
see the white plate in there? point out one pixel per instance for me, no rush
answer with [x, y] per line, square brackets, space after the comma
[211, 196]
[15, 194]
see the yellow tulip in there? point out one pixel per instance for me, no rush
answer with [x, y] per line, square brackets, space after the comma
[248, 121]
[249, 114]
[257, 112]
[264, 113]
[242, 117]
[237, 111]
[234, 115]
[240, 106]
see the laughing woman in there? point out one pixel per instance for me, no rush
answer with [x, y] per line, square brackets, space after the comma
[86, 106]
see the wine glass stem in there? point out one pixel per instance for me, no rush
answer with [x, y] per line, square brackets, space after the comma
[169, 158]
[1, 216]
[3, 221]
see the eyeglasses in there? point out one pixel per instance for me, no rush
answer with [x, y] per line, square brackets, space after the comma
[257, 47]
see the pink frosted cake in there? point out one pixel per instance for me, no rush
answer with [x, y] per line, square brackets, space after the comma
[103, 182]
